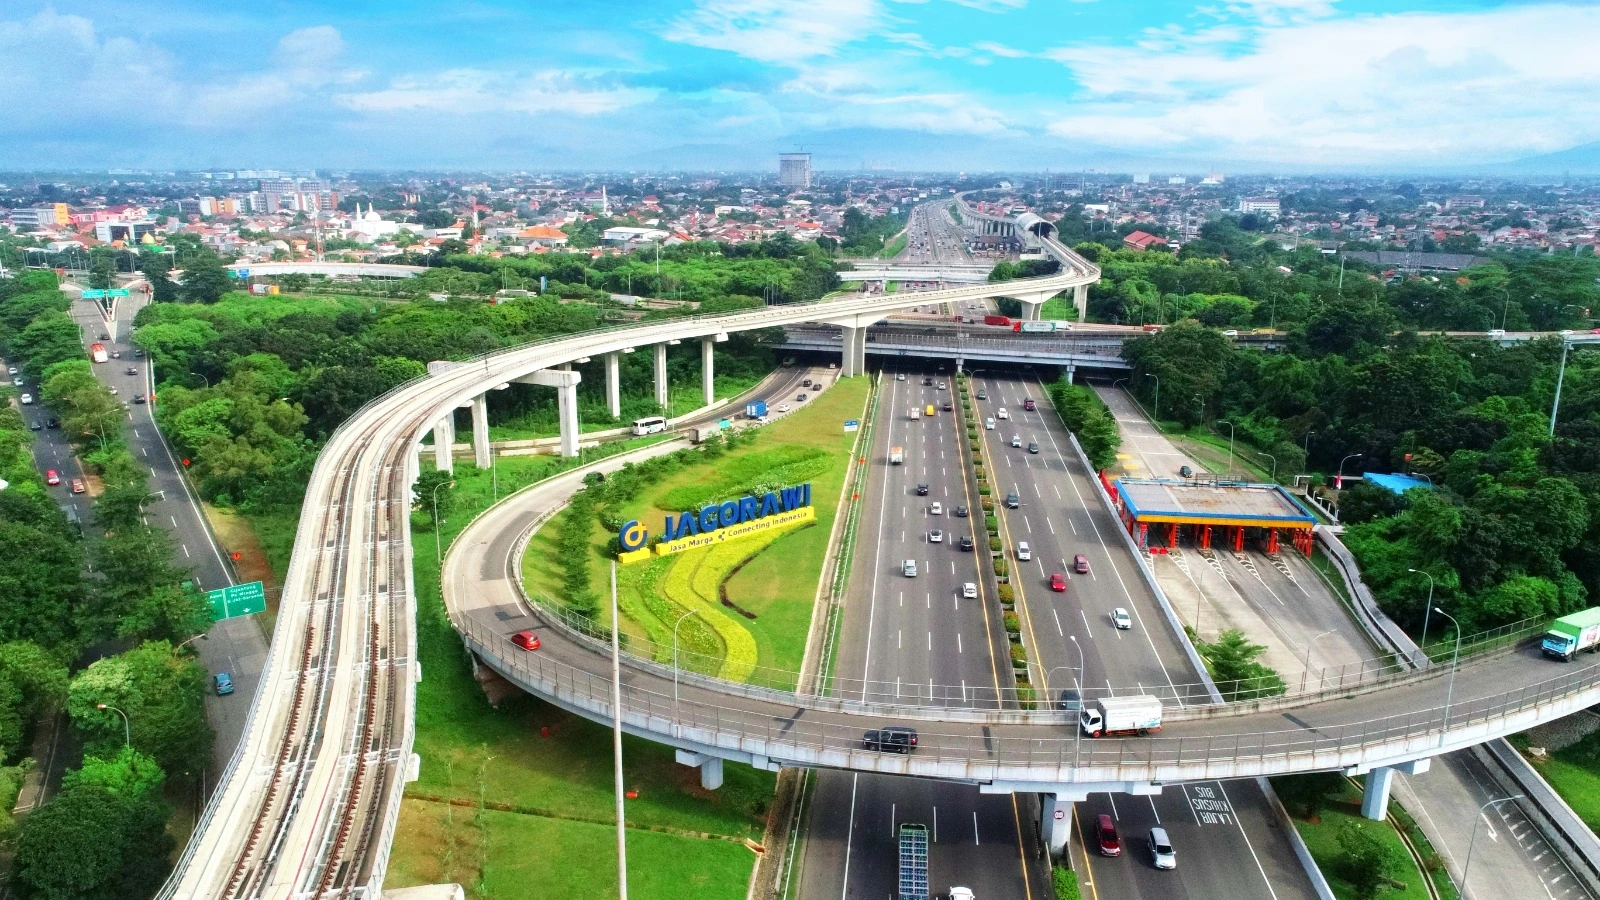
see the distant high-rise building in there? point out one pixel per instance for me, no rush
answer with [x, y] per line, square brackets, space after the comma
[302, 194]
[794, 170]
[1142, 178]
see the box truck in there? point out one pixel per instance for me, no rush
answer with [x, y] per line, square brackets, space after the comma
[1121, 716]
[1571, 633]
[755, 409]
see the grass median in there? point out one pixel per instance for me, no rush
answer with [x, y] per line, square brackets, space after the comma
[753, 598]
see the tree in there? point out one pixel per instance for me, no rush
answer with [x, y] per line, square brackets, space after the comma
[1365, 860]
[129, 774]
[1307, 795]
[136, 563]
[1232, 660]
[47, 340]
[91, 843]
[430, 485]
[171, 613]
[162, 694]
[204, 279]
[1363, 502]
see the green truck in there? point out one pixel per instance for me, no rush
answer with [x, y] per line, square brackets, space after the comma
[1571, 633]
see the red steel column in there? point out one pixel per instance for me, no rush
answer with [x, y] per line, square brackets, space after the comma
[1144, 534]
[1205, 537]
[1272, 540]
[1238, 538]
[1172, 537]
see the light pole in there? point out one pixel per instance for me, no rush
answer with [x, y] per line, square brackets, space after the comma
[1561, 375]
[681, 619]
[1307, 670]
[1274, 464]
[191, 639]
[1077, 729]
[438, 545]
[1230, 443]
[1465, 891]
[1157, 414]
[127, 727]
[1428, 613]
[203, 378]
[1450, 692]
[1307, 448]
[616, 740]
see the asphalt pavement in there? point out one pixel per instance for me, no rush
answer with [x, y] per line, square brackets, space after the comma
[904, 632]
[1229, 844]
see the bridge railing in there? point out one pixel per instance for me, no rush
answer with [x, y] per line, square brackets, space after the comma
[788, 735]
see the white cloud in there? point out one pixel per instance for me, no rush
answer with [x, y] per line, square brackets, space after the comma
[998, 49]
[1419, 88]
[992, 6]
[470, 91]
[776, 31]
[870, 95]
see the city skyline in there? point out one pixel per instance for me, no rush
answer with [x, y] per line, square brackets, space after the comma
[1263, 85]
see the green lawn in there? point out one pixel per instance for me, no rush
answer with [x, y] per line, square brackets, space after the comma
[1574, 772]
[777, 585]
[894, 247]
[1059, 309]
[553, 793]
[1322, 839]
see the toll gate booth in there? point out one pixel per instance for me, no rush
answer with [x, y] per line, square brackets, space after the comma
[1159, 512]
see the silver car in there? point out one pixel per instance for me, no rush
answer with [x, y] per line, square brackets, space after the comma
[1161, 850]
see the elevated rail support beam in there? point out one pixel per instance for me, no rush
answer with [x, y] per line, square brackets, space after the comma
[660, 352]
[708, 376]
[1080, 300]
[565, 381]
[444, 440]
[1379, 783]
[480, 431]
[1055, 823]
[613, 385]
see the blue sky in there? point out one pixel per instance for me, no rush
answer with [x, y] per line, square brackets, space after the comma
[1286, 85]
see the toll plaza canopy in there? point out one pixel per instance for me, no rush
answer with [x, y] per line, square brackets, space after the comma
[1201, 506]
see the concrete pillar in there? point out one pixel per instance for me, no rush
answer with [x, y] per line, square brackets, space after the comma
[1375, 796]
[1080, 300]
[567, 406]
[1071, 371]
[1375, 793]
[1055, 815]
[661, 374]
[481, 450]
[613, 385]
[710, 767]
[444, 439]
[708, 380]
[853, 351]
[1030, 309]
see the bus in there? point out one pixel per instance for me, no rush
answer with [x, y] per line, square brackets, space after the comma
[97, 352]
[650, 425]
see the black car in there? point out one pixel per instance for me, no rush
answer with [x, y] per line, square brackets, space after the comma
[983, 394]
[138, 354]
[1068, 700]
[966, 542]
[138, 398]
[894, 739]
[959, 512]
[1013, 501]
[132, 371]
[801, 398]
[927, 382]
[948, 406]
[806, 383]
[105, 337]
[53, 422]
[922, 490]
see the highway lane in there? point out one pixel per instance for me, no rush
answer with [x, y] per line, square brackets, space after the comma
[1229, 844]
[901, 630]
[236, 646]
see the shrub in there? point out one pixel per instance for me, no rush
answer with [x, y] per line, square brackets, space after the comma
[987, 503]
[994, 545]
[992, 523]
[1019, 655]
[1065, 883]
[1001, 568]
[1005, 593]
[983, 491]
[1013, 625]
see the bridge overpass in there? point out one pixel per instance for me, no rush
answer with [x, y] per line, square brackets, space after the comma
[328, 269]
[1088, 350]
[948, 274]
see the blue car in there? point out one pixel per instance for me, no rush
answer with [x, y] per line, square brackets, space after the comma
[224, 684]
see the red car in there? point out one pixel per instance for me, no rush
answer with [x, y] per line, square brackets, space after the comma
[77, 485]
[527, 640]
[52, 477]
[1106, 831]
[1058, 583]
[1027, 404]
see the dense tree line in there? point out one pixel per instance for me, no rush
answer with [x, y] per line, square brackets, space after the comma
[109, 640]
[1511, 526]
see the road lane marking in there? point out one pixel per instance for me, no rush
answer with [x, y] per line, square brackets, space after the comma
[849, 835]
[1059, 629]
[1087, 629]
[975, 828]
[185, 551]
[1048, 525]
[891, 819]
[1247, 842]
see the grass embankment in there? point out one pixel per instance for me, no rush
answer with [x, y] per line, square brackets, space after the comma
[894, 248]
[1059, 309]
[1574, 772]
[683, 397]
[502, 804]
[1322, 839]
[769, 580]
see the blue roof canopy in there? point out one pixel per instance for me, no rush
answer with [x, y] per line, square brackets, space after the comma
[1399, 484]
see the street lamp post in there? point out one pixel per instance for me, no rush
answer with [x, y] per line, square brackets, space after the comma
[1426, 615]
[1230, 443]
[1157, 414]
[1467, 869]
[1307, 670]
[1077, 729]
[127, 727]
[616, 740]
[1561, 376]
[1450, 692]
[438, 545]
[1274, 464]
[1307, 448]
[681, 619]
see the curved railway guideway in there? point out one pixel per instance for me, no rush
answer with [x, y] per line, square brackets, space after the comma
[309, 802]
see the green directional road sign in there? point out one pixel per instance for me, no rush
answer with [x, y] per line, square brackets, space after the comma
[239, 600]
[117, 292]
[94, 294]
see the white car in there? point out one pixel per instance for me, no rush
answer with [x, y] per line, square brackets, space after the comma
[12, 370]
[1120, 618]
[989, 423]
[27, 399]
[1001, 413]
[936, 509]
[783, 407]
[900, 377]
[1230, 333]
[969, 591]
[936, 536]
[17, 381]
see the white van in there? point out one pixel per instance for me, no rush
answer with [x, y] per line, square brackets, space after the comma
[915, 414]
[1024, 552]
[909, 568]
[1001, 413]
[989, 423]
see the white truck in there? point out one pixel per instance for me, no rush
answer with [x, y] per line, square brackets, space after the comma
[1110, 716]
[897, 455]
